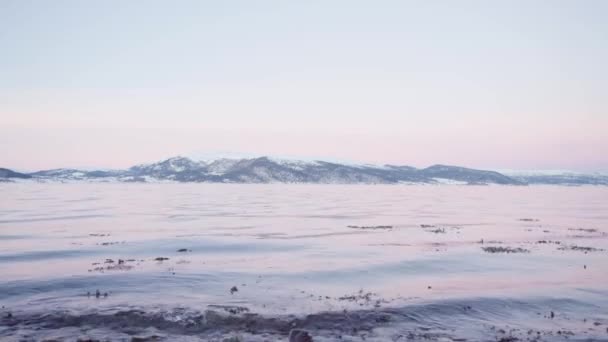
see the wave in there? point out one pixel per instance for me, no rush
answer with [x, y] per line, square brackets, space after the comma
[456, 320]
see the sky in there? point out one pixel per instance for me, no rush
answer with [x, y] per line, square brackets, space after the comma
[515, 84]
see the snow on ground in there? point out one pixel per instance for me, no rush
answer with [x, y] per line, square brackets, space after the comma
[527, 173]
[446, 181]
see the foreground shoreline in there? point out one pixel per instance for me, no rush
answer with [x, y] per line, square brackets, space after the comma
[351, 263]
[476, 319]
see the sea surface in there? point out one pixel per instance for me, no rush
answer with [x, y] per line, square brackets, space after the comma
[222, 262]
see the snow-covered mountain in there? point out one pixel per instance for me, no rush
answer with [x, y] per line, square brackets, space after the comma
[558, 177]
[271, 170]
[6, 175]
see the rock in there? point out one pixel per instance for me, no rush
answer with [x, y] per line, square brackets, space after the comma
[580, 249]
[146, 338]
[183, 250]
[299, 335]
[234, 289]
[232, 339]
[371, 227]
[161, 259]
[508, 250]
[436, 230]
[231, 308]
[508, 339]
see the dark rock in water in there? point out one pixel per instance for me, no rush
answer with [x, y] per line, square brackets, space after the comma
[9, 315]
[232, 339]
[299, 335]
[146, 338]
[182, 250]
[580, 249]
[370, 227]
[97, 294]
[383, 319]
[508, 250]
[508, 339]
[540, 242]
[161, 259]
[233, 290]
[436, 231]
[231, 308]
[586, 230]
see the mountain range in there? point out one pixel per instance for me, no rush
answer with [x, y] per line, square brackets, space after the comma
[270, 170]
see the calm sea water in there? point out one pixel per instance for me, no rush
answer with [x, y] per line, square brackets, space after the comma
[369, 262]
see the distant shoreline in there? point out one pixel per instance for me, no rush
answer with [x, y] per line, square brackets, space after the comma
[265, 170]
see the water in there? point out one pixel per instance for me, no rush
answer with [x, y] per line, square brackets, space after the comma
[369, 262]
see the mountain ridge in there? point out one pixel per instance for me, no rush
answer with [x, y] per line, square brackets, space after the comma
[270, 170]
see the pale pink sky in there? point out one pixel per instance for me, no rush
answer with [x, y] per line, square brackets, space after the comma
[505, 84]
